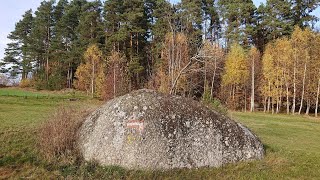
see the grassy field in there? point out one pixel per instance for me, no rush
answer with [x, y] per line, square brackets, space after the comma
[292, 145]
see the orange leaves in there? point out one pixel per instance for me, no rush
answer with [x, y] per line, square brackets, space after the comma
[88, 71]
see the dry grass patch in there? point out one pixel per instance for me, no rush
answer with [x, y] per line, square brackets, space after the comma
[57, 137]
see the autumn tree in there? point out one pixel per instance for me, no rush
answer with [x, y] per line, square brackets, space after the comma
[116, 76]
[301, 54]
[267, 76]
[277, 75]
[236, 76]
[175, 61]
[212, 56]
[88, 71]
[315, 58]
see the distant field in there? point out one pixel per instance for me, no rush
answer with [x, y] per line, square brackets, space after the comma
[18, 92]
[292, 145]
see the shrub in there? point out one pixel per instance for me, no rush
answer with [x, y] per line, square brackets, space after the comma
[25, 83]
[218, 106]
[57, 137]
[4, 80]
[214, 104]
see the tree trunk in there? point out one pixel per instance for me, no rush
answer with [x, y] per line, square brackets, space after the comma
[308, 107]
[92, 79]
[269, 104]
[265, 105]
[137, 43]
[288, 107]
[214, 75]
[114, 80]
[47, 69]
[303, 87]
[205, 79]
[68, 76]
[269, 98]
[317, 100]
[245, 99]
[252, 85]
[294, 86]
[277, 106]
[272, 105]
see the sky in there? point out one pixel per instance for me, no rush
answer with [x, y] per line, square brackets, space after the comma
[11, 12]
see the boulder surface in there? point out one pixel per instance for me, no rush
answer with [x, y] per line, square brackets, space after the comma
[148, 130]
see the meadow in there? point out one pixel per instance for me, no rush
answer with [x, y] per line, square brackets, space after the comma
[292, 144]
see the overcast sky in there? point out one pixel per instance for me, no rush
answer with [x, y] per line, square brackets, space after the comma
[11, 12]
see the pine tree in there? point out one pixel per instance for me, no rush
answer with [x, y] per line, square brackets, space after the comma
[42, 34]
[277, 19]
[211, 14]
[90, 28]
[58, 48]
[160, 15]
[136, 27]
[238, 17]
[69, 37]
[17, 54]
[302, 10]
[191, 18]
[114, 20]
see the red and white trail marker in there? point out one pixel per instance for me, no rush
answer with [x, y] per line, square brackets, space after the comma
[137, 125]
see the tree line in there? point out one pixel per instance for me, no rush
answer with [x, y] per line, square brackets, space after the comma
[243, 55]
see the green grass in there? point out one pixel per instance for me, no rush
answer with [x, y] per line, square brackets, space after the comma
[292, 145]
[18, 92]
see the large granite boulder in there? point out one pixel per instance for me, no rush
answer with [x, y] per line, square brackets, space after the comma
[148, 130]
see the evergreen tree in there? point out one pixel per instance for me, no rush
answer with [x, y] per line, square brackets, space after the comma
[302, 12]
[191, 22]
[115, 32]
[239, 20]
[18, 59]
[160, 17]
[211, 14]
[136, 26]
[70, 38]
[276, 20]
[59, 48]
[90, 27]
[42, 34]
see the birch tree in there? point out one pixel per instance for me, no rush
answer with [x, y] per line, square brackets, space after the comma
[88, 71]
[254, 57]
[236, 76]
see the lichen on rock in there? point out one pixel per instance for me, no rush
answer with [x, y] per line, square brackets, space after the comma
[148, 130]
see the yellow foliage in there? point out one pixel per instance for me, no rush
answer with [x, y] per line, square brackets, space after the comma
[88, 72]
[24, 83]
[236, 68]
[175, 56]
